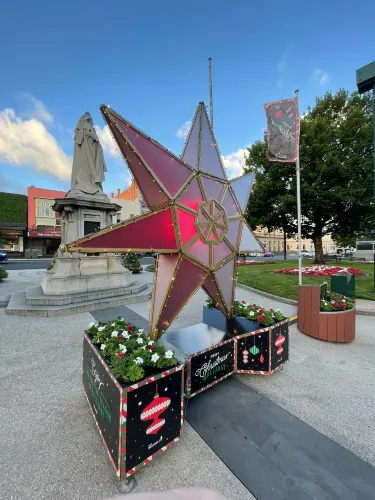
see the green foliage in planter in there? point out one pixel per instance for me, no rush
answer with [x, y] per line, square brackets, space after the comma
[132, 263]
[336, 302]
[128, 350]
[13, 208]
[3, 274]
[253, 312]
[51, 266]
[151, 268]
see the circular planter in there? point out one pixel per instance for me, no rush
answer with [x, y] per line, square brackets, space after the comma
[330, 326]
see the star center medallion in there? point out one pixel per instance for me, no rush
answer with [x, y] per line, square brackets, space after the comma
[211, 221]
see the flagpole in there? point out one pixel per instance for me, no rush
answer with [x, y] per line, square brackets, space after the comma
[298, 180]
[210, 88]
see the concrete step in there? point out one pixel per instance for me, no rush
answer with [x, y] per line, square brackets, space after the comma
[36, 297]
[18, 307]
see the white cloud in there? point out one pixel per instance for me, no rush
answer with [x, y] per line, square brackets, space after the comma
[234, 163]
[282, 63]
[321, 76]
[28, 143]
[34, 108]
[280, 82]
[183, 131]
[106, 140]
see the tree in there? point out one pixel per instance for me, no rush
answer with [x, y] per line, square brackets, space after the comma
[336, 173]
[132, 263]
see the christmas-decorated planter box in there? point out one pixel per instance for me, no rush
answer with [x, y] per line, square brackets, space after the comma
[138, 420]
[208, 354]
[264, 350]
[258, 350]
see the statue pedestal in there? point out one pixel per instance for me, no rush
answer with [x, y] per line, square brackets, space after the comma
[83, 214]
[82, 274]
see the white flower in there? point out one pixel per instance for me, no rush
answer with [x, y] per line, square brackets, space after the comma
[113, 324]
[169, 354]
[114, 333]
[144, 347]
[139, 360]
[125, 335]
[343, 300]
[122, 347]
[140, 341]
[151, 342]
[101, 328]
[122, 319]
[326, 303]
[102, 347]
[92, 324]
[140, 331]
[155, 357]
[251, 313]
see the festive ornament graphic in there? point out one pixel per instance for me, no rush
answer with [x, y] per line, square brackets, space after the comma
[153, 412]
[245, 356]
[278, 343]
[261, 359]
[254, 350]
[195, 224]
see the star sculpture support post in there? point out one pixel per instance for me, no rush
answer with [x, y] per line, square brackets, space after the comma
[195, 221]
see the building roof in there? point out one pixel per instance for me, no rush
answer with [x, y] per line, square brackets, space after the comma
[130, 194]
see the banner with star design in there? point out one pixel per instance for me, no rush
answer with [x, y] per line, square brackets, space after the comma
[282, 130]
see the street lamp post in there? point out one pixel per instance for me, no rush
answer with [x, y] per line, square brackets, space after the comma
[366, 82]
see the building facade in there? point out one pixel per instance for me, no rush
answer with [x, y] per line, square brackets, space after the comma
[13, 223]
[130, 202]
[273, 241]
[44, 224]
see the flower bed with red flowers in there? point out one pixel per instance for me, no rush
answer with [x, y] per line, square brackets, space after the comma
[129, 353]
[321, 271]
[336, 302]
[242, 262]
[253, 312]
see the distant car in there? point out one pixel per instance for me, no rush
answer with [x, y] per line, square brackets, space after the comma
[307, 254]
[3, 256]
[255, 254]
[268, 254]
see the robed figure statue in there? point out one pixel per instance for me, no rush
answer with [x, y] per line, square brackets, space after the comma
[88, 161]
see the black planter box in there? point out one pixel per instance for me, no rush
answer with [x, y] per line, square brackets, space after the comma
[258, 350]
[208, 354]
[136, 421]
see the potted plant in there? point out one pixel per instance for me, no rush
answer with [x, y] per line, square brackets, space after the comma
[135, 391]
[325, 315]
[132, 263]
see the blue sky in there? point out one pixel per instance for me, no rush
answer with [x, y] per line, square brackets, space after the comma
[148, 60]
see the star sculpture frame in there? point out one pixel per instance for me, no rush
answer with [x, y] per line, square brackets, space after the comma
[195, 224]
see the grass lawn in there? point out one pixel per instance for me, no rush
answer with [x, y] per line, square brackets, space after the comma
[262, 277]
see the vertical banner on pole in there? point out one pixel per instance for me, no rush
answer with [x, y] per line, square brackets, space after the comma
[283, 146]
[282, 130]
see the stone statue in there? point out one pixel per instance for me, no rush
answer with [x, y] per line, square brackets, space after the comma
[88, 161]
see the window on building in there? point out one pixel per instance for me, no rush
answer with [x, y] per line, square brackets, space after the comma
[118, 217]
[364, 246]
[44, 207]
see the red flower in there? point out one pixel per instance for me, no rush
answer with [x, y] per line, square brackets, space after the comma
[130, 328]
[260, 311]
[121, 354]
[151, 347]
[343, 296]
[243, 302]
[260, 319]
[353, 301]
[343, 305]
[120, 337]
[254, 305]
[335, 304]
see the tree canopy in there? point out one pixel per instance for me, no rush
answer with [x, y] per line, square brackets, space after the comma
[336, 161]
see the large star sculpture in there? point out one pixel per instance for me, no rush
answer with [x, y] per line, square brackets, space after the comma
[195, 224]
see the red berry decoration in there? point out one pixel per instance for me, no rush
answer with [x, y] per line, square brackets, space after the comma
[120, 337]
[120, 354]
[152, 347]
[130, 328]
[260, 319]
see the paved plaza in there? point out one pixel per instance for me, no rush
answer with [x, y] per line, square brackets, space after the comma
[304, 433]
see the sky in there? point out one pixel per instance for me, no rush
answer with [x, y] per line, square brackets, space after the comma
[148, 61]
